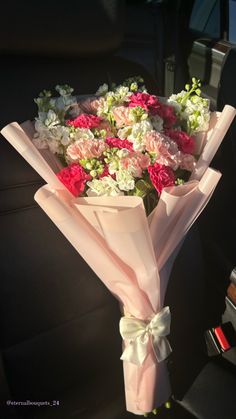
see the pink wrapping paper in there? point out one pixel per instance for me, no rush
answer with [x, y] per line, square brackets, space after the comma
[132, 254]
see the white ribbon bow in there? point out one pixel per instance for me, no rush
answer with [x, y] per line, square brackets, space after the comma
[139, 333]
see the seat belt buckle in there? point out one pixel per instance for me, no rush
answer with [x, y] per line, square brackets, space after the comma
[220, 339]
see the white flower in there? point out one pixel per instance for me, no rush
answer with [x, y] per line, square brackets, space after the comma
[64, 102]
[174, 100]
[42, 131]
[51, 119]
[61, 134]
[125, 180]
[102, 90]
[122, 94]
[103, 187]
[82, 133]
[123, 133]
[55, 146]
[103, 108]
[137, 136]
[113, 166]
[114, 163]
[54, 137]
[193, 110]
[41, 116]
[52, 102]
[64, 90]
[122, 152]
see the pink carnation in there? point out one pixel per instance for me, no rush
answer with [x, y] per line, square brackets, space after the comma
[118, 143]
[74, 178]
[165, 149]
[185, 143]
[161, 176]
[85, 121]
[148, 102]
[154, 140]
[136, 163]
[166, 112]
[85, 149]
[121, 115]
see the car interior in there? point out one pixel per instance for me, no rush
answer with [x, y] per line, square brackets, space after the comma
[59, 325]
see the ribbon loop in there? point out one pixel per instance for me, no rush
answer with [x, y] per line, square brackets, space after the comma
[139, 333]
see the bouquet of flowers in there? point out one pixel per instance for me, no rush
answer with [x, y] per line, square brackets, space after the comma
[127, 143]
[128, 174]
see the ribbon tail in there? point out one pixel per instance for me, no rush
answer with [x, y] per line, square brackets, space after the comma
[161, 348]
[135, 352]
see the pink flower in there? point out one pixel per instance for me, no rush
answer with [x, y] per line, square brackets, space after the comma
[148, 102]
[167, 113]
[153, 141]
[85, 121]
[165, 149]
[136, 163]
[74, 178]
[185, 143]
[118, 143]
[122, 116]
[85, 149]
[161, 176]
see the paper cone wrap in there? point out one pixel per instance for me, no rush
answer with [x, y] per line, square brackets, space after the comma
[131, 254]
